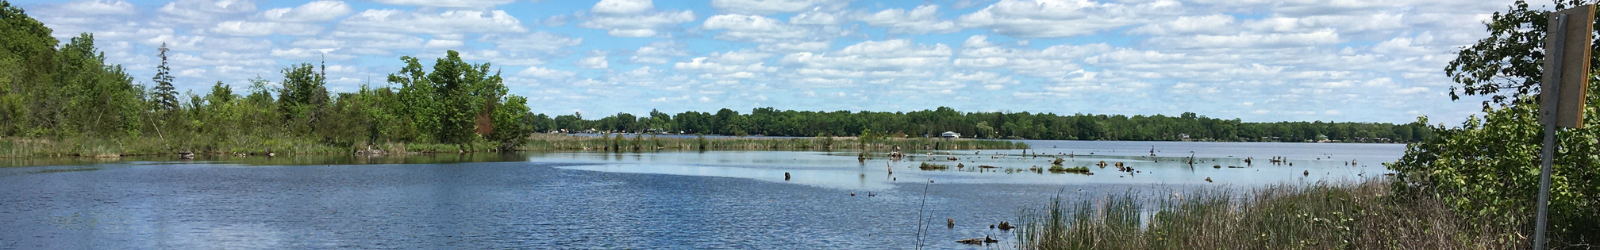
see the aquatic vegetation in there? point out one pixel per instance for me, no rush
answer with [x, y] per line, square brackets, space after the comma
[931, 166]
[1366, 215]
[1078, 170]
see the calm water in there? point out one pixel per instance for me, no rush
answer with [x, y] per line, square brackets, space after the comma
[606, 200]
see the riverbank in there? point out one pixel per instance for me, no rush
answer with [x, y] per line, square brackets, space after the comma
[618, 142]
[1364, 215]
[263, 146]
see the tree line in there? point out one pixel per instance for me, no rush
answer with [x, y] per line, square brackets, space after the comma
[49, 90]
[992, 125]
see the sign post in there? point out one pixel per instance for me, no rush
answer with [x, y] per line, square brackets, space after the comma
[1566, 78]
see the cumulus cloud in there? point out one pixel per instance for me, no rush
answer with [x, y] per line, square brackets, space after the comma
[775, 6]
[545, 73]
[318, 11]
[97, 7]
[595, 61]
[464, 4]
[538, 41]
[203, 12]
[1063, 18]
[634, 18]
[248, 28]
[448, 22]
[924, 19]
[658, 52]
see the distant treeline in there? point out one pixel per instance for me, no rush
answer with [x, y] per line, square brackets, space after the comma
[998, 125]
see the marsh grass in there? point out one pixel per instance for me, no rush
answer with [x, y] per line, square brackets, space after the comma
[931, 166]
[1365, 215]
[1057, 168]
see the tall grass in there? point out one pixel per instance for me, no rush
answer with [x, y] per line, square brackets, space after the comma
[1365, 215]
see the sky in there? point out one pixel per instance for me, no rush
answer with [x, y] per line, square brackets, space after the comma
[1255, 60]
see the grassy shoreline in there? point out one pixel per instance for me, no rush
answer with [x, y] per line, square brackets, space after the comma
[12, 147]
[1364, 215]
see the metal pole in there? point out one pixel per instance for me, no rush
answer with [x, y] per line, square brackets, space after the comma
[1549, 149]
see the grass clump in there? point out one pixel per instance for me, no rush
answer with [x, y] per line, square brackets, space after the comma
[1076, 170]
[1367, 215]
[931, 166]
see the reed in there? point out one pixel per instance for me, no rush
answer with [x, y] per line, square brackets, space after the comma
[1365, 215]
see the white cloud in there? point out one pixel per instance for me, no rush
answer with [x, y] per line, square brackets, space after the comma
[379, 40]
[923, 19]
[623, 6]
[203, 12]
[443, 44]
[463, 4]
[898, 54]
[775, 6]
[593, 62]
[247, 28]
[1208, 24]
[298, 53]
[753, 28]
[544, 73]
[318, 11]
[818, 17]
[1250, 40]
[1063, 18]
[99, 7]
[448, 22]
[538, 41]
[634, 18]
[658, 52]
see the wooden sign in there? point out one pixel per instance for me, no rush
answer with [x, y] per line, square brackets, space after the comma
[1566, 66]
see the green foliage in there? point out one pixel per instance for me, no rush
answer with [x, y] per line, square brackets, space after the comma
[303, 97]
[1509, 62]
[512, 124]
[1490, 167]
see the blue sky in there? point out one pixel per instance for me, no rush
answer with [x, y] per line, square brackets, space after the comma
[1257, 60]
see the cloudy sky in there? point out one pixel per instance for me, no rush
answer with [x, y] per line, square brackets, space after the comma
[1257, 60]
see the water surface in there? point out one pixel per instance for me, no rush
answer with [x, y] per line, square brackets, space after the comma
[713, 199]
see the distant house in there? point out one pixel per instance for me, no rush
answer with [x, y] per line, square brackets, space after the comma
[950, 135]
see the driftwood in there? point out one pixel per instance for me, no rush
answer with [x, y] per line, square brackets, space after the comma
[978, 241]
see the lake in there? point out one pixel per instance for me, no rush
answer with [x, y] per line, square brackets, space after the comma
[563, 200]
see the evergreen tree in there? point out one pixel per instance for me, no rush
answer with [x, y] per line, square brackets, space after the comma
[166, 97]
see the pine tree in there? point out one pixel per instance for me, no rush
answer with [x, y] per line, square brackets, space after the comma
[166, 97]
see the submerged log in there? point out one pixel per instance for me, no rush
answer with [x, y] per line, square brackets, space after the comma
[978, 241]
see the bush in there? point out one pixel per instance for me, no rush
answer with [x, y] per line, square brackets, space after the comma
[1490, 167]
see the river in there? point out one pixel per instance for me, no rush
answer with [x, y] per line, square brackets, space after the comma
[564, 200]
